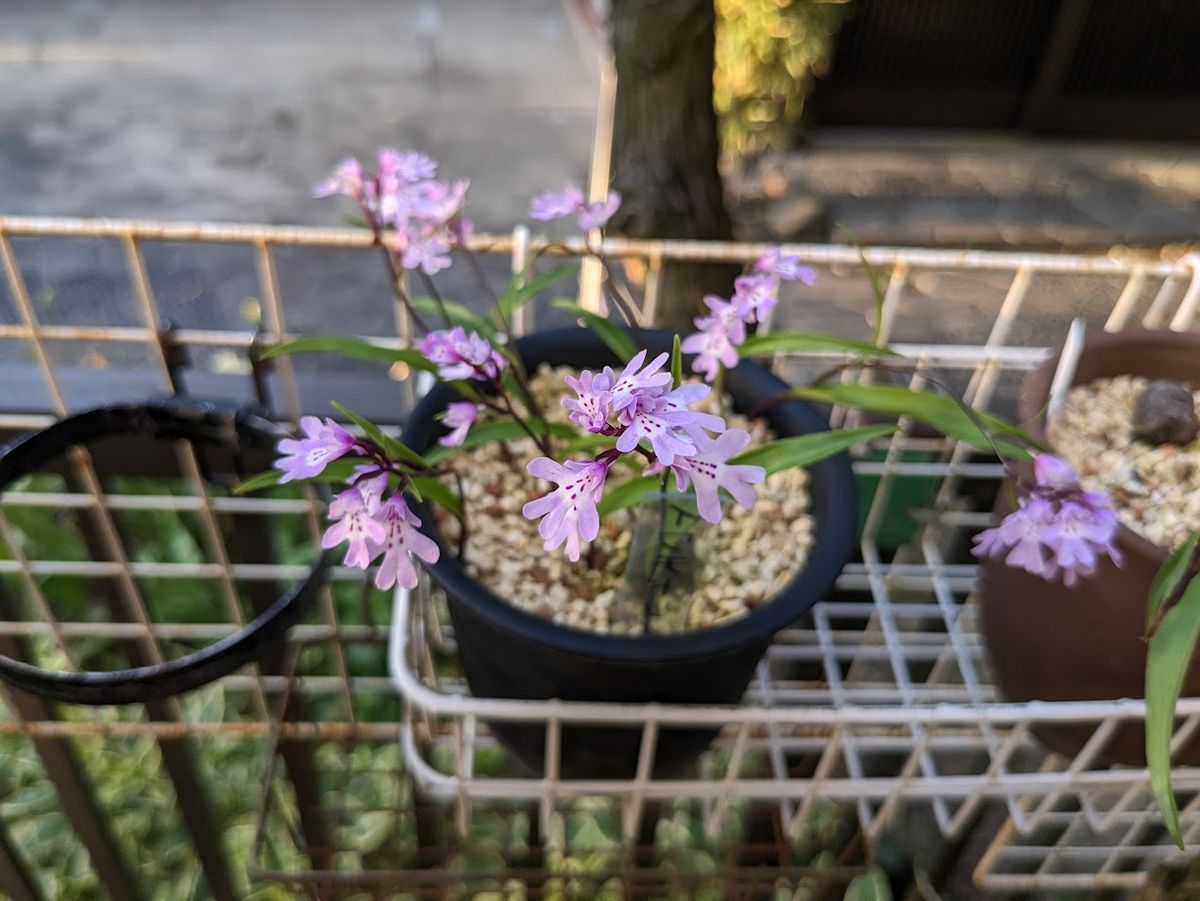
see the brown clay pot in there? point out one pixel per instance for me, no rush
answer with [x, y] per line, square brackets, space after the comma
[1052, 643]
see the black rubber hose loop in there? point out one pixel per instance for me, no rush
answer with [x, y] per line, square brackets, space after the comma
[201, 422]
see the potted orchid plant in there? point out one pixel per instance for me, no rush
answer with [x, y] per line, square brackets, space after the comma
[603, 527]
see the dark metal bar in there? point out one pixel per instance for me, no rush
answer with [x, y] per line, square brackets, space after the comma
[1059, 48]
[252, 542]
[178, 756]
[75, 795]
[15, 881]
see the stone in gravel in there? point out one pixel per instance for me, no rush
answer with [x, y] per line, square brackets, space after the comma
[1165, 413]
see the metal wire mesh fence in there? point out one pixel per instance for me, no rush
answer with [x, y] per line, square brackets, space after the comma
[310, 771]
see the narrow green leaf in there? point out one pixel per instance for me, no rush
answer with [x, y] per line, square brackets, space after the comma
[1168, 577]
[499, 430]
[627, 494]
[807, 342]
[518, 294]
[395, 449]
[586, 443]
[267, 479]
[467, 390]
[337, 471]
[804, 450]
[356, 348]
[676, 363]
[1167, 662]
[873, 276]
[943, 413]
[439, 493]
[459, 315]
[872, 885]
[618, 342]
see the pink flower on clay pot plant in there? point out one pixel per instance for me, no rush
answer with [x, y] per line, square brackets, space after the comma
[1058, 529]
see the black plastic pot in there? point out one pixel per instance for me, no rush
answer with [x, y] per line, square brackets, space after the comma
[508, 653]
[206, 425]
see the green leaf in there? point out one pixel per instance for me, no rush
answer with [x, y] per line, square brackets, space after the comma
[676, 363]
[804, 450]
[500, 430]
[872, 885]
[616, 339]
[439, 493]
[877, 290]
[943, 413]
[586, 442]
[348, 347]
[395, 449]
[628, 494]
[519, 294]
[459, 315]
[337, 471]
[1167, 661]
[1168, 577]
[267, 479]
[877, 295]
[807, 342]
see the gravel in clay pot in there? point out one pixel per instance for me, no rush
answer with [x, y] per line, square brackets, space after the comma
[1053, 643]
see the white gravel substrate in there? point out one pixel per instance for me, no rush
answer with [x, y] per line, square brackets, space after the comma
[744, 560]
[1155, 490]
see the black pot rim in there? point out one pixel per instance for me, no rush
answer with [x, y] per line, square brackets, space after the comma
[177, 418]
[832, 504]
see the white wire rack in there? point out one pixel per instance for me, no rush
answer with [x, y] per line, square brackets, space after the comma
[880, 698]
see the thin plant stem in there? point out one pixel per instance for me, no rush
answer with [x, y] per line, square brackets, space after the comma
[624, 304]
[518, 368]
[488, 291]
[651, 594]
[612, 287]
[462, 523]
[507, 409]
[396, 278]
[427, 281]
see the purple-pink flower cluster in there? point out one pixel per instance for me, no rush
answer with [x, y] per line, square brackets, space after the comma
[459, 418]
[571, 202]
[458, 355]
[403, 193]
[644, 413]
[370, 524]
[372, 527]
[754, 296]
[1058, 529]
[324, 441]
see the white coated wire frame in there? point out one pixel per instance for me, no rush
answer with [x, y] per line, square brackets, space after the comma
[901, 710]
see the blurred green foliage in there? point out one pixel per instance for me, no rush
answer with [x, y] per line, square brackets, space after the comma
[371, 800]
[767, 54]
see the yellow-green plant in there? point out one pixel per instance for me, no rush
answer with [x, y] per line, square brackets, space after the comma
[767, 54]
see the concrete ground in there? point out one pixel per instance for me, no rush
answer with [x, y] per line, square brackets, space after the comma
[230, 111]
[977, 190]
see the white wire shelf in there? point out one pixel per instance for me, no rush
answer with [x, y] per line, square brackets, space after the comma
[880, 698]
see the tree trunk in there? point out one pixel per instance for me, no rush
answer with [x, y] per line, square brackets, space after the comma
[665, 142]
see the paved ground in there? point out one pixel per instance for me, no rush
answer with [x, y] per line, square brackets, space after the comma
[226, 110]
[230, 110]
[973, 190]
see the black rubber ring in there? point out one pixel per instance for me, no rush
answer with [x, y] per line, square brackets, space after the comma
[177, 418]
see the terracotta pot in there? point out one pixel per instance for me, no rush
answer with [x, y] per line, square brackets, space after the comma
[1052, 643]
